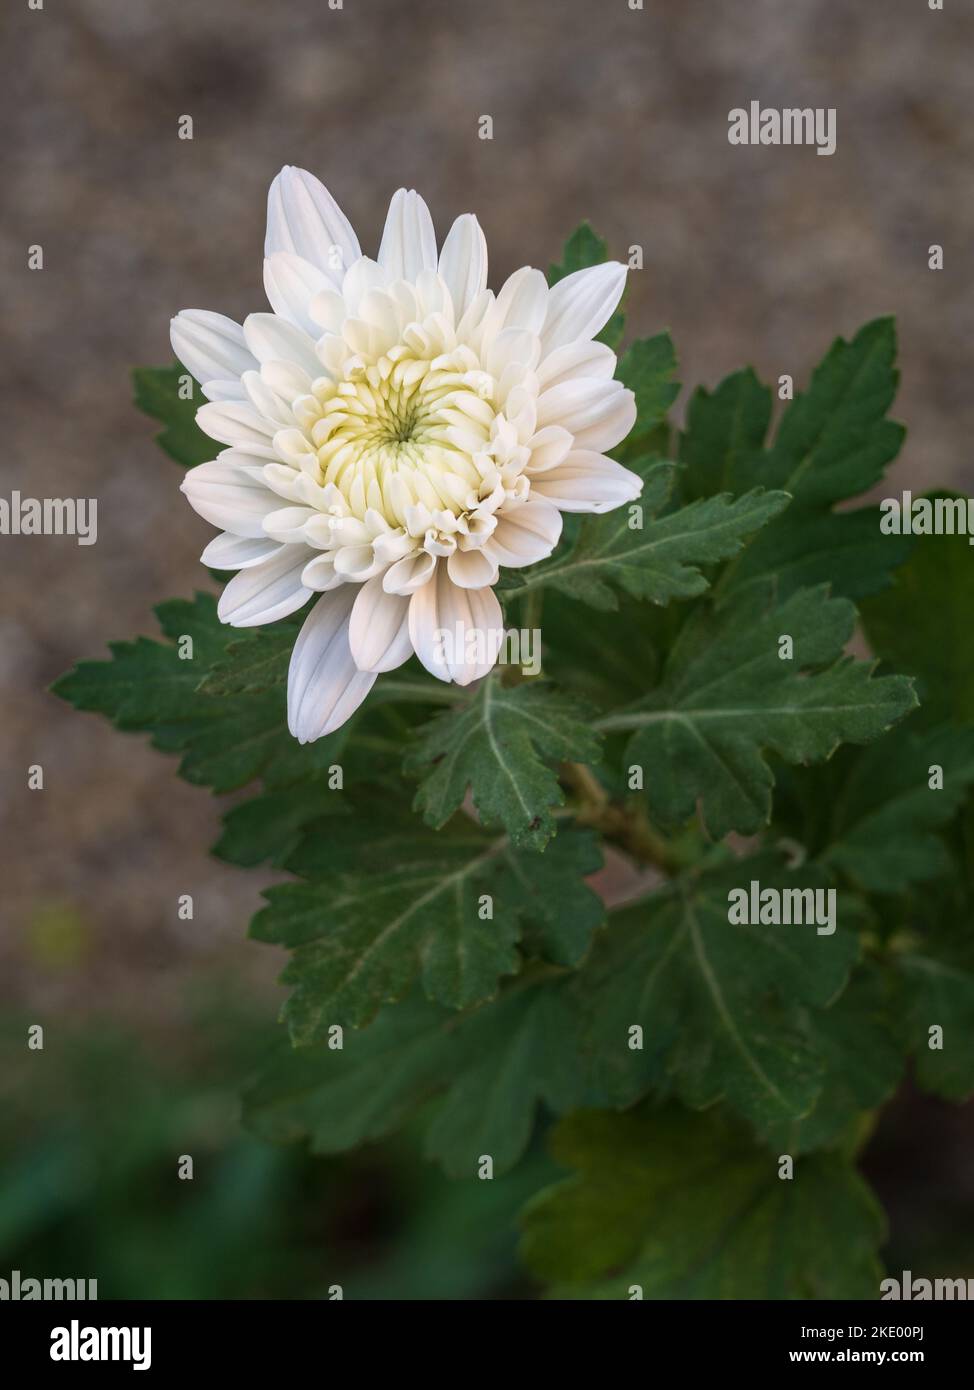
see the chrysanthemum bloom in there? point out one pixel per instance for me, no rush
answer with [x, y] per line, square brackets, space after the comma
[395, 434]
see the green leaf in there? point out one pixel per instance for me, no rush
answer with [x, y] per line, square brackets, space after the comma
[684, 1206]
[157, 393]
[492, 1067]
[271, 826]
[881, 814]
[258, 660]
[647, 368]
[606, 662]
[922, 624]
[388, 907]
[716, 1000]
[252, 662]
[148, 686]
[834, 440]
[658, 561]
[727, 697]
[722, 447]
[833, 443]
[583, 248]
[939, 993]
[496, 744]
[564, 1039]
[586, 248]
[207, 702]
[862, 1056]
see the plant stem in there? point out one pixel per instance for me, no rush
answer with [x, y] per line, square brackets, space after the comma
[529, 608]
[531, 605]
[625, 825]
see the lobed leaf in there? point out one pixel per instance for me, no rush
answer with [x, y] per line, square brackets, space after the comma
[499, 745]
[832, 444]
[727, 698]
[161, 392]
[684, 1206]
[389, 905]
[659, 558]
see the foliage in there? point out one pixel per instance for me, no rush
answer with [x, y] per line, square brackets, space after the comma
[451, 966]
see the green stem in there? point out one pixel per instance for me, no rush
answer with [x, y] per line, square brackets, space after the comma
[402, 690]
[531, 606]
[529, 616]
[624, 825]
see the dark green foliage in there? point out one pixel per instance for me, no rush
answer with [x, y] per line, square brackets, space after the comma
[450, 959]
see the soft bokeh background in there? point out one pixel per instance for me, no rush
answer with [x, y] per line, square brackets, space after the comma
[759, 254]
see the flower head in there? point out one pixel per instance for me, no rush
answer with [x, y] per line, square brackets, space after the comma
[396, 433]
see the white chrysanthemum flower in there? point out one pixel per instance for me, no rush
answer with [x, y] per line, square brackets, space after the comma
[395, 434]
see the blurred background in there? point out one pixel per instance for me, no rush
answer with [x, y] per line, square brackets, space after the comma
[750, 254]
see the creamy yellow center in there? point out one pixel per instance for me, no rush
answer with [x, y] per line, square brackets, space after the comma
[405, 429]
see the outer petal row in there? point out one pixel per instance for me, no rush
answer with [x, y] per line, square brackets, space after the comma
[456, 633]
[452, 621]
[580, 305]
[324, 686]
[212, 349]
[303, 218]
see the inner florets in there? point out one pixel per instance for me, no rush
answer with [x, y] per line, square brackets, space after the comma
[406, 430]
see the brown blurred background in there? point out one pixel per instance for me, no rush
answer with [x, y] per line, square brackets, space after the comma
[599, 111]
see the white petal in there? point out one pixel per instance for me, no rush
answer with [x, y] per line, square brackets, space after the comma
[230, 552]
[319, 574]
[287, 482]
[357, 562]
[362, 276]
[582, 303]
[472, 569]
[287, 524]
[273, 339]
[525, 534]
[456, 633]
[291, 284]
[598, 413]
[512, 346]
[328, 311]
[324, 686]
[408, 240]
[463, 262]
[266, 592]
[210, 346]
[470, 326]
[224, 390]
[613, 423]
[410, 573]
[380, 311]
[271, 407]
[287, 379]
[549, 447]
[303, 218]
[227, 496]
[522, 301]
[378, 631]
[433, 297]
[587, 482]
[574, 360]
[238, 424]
